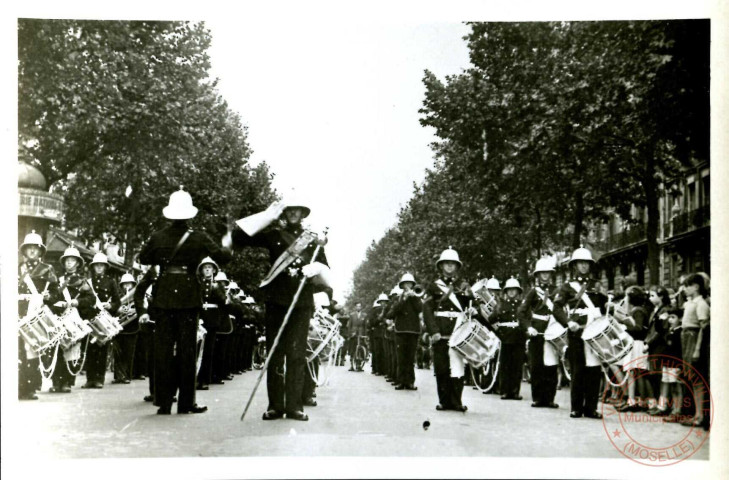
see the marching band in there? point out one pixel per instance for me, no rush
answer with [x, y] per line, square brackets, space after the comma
[206, 330]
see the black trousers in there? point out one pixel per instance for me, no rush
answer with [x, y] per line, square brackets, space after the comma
[585, 385]
[220, 355]
[377, 355]
[423, 356]
[96, 357]
[123, 347]
[450, 390]
[407, 347]
[511, 368]
[141, 351]
[175, 331]
[61, 375]
[543, 378]
[249, 340]
[393, 357]
[210, 322]
[285, 385]
[309, 390]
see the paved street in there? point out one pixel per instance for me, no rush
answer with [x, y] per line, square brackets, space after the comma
[358, 415]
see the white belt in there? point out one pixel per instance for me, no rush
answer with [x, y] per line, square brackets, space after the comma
[210, 305]
[507, 324]
[448, 314]
[540, 317]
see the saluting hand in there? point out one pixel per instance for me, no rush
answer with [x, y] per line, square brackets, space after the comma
[228, 240]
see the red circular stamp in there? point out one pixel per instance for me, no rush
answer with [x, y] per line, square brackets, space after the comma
[674, 430]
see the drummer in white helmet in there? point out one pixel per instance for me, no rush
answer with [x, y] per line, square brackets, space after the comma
[512, 335]
[446, 305]
[577, 303]
[535, 314]
[106, 296]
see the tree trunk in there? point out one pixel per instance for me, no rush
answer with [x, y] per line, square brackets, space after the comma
[651, 231]
[130, 234]
[579, 218]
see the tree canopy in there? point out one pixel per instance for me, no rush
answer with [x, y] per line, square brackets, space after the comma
[118, 114]
[552, 127]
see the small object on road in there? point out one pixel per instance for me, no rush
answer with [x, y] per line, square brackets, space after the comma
[426, 424]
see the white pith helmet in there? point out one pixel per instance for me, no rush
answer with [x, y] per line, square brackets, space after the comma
[382, 298]
[33, 239]
[407, 277]
[72, 252]
[545, 264]
[396, 290]
[207, 261]
[100, 258]
[222, 278]
[292, 200]
[179, 206]
[581, 254]
[232, 286]
[127, 278]
[449, 255]
[512, 283]
[493, 284]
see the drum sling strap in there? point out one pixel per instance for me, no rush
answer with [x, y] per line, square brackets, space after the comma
[295, 249]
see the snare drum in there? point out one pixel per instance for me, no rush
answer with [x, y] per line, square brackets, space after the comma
[104, 326]
[556, 334]
[608, 339]
[75, 327]
[474, 343]
[41, 331]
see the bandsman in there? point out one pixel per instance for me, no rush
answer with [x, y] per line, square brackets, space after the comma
[125, 343]
[106, 297]
[511, 359]
[579, 302]
[535, 315]
[37, 285]
[406, 311]
[291, 249]
[73, 292]
[213, 298]
[377, 334]
[446, 305]
[178, 250]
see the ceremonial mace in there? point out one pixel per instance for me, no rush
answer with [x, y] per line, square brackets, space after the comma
[280, 331]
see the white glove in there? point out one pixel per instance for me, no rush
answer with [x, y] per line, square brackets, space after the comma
[59, 304]
[472, 311]
[532, 332]
[144, 318]
[435, 338]
[276, 209]
[228, 240]
[573, 326]
[313, 269]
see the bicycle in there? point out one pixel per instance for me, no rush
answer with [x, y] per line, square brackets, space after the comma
[360, 353]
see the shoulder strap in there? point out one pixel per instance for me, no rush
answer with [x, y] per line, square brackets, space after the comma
[183, 239]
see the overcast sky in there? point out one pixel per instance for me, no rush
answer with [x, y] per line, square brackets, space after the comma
[332, 107]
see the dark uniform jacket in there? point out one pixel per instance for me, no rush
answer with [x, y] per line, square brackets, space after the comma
[107, 291]
[175, 290]
[148, 280]
[357, 323]
[533, 311]
[282, 289]
[376, 322]
[43, 277]
[567, 297]
[214, 313]
[406, 312]
[509, 313]
[438, 302]
[79, 290]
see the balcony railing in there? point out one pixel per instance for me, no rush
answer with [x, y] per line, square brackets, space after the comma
[634, 234]
[686, 222]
